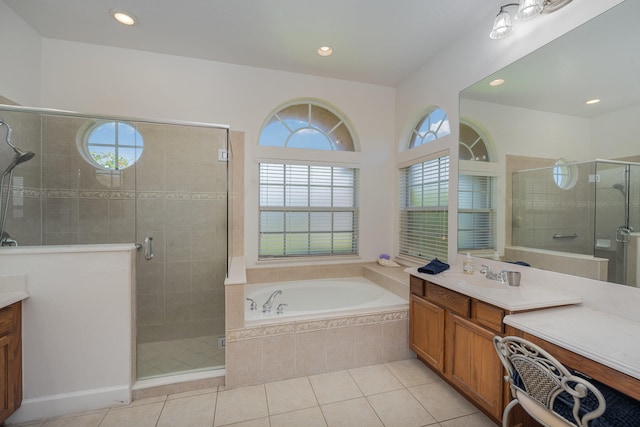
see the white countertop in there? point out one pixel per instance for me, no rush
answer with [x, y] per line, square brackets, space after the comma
[605, 338]
[12, 290]
[529, 295]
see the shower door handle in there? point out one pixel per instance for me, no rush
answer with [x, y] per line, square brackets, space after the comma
[148, 248]
[622, 234]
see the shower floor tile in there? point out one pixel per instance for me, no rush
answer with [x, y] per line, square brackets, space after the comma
[182, 355]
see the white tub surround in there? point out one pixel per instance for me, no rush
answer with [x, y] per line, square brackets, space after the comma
[77, 327]
[309, 299]
[266, 351]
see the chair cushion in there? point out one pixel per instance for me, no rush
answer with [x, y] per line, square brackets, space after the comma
[621, 410]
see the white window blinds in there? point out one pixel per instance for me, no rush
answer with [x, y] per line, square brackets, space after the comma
[307, 210]
[424, 209]
[476, 212]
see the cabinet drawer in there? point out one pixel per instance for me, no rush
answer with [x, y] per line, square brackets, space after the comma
[489, 316]
[451, 300]
[416, 285]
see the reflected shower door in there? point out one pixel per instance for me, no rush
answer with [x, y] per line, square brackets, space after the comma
[181, 220]
[614, 218]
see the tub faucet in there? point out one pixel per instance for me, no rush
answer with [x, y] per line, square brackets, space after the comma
[266, 307]
[492, 275]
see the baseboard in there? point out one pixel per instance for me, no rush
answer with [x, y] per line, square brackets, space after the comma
[61, 404]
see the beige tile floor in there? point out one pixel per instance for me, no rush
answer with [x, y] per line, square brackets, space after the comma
[402, 394]
[177, 356]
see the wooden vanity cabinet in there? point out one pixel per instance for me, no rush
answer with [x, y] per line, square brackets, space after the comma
[10, 360]
[453, 334]
[426, 331]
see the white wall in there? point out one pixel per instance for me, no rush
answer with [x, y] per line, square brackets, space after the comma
[20, 56]
[469, 60]
[105, 80]
[77, 327]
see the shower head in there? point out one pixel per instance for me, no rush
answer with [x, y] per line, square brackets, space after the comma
[20, 157]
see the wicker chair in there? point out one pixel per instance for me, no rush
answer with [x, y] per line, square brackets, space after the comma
[544, 388]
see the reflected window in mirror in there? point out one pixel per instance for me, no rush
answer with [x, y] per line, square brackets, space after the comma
[473, 145]
[424, 210]
[434, 125]
[476, 191]
[565, 175]
[476, 213]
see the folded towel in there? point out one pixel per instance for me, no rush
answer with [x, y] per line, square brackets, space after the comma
[434, 267]
[525, 264]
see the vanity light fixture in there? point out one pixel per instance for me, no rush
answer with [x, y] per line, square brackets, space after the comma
[325, 51]
[527, 9]
[123, 17]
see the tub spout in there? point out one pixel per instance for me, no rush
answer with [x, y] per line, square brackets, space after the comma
[266, 307]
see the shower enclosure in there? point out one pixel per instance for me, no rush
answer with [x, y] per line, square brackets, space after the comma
[590, 208]
[161, 185]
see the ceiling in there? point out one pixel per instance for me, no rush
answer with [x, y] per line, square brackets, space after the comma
[374, 41]
[596, 60]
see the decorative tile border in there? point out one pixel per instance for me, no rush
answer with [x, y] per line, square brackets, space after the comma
[44, 193]
[293, 326]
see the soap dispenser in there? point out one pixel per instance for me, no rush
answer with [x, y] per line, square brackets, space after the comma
[467, 265]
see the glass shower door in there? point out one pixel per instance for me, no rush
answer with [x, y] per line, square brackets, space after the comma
[615, 216]
[181, 221]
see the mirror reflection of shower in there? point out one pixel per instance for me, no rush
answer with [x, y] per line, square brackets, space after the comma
[19, 157]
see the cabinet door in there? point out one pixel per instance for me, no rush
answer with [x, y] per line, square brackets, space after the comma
[473, 365]
[426, 331]
[10, 360]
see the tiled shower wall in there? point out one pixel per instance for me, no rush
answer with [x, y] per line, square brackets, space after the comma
[176, 193]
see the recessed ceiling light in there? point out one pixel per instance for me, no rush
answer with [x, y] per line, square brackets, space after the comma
[592, 101]
[123, 17]
[496, 82]
[325, 51]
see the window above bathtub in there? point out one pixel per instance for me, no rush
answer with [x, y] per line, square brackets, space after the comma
[307, 210]
[308, 183]
[308, 124]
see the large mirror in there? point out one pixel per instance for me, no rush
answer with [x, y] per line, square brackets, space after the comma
[547, 178]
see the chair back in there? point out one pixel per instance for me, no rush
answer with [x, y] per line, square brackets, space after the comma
[547, 384]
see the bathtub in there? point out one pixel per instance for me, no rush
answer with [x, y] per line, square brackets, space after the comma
[319, 298]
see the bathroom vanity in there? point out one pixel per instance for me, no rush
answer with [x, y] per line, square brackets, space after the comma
[12, 292]
[452, 321]
[587, 325]
[10, 359]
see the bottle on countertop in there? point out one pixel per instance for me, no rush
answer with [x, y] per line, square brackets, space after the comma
[467, 265]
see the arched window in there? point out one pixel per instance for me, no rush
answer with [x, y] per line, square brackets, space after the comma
[476, 193]
[305, 208]
[434, 125]
[309, 125]
[473, 145]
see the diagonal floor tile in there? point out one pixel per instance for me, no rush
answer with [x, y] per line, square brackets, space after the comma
[442, 401]
[194, 411]
[334, 387]
[375, 379]
[241, 404]
[290, 395]
[350, 413]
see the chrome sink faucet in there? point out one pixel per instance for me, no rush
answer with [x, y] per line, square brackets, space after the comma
[492, 275]
[266, 307]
